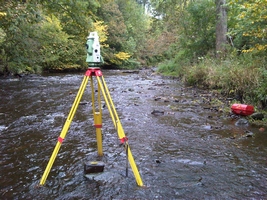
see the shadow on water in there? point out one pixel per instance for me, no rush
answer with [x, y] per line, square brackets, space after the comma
[184, 152]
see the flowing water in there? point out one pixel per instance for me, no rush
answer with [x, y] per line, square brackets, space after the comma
[189, 150]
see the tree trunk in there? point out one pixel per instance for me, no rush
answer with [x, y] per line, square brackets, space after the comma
[221, 28]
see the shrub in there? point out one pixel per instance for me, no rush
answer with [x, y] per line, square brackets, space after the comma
[243, 77]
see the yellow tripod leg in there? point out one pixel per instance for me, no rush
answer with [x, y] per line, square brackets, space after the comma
[119, 128]
[65, 129]
[97, 117]
[98, 124]
[111, 110]
[109, 97]
[130, 156]
[134, 167]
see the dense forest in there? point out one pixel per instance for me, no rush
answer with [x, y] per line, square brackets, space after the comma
[216, 44]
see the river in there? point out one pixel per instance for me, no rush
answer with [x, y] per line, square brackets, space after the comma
[190, 150]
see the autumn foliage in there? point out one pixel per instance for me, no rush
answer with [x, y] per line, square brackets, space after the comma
[249, 24]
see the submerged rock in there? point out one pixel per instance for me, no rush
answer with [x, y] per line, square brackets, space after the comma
[248, 134]
[157, 112]
[241, 122]
[83, 103]
[130, 71]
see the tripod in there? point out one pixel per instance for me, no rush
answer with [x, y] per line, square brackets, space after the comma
[102, 87]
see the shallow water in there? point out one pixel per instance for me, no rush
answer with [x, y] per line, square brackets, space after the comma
[187, 152]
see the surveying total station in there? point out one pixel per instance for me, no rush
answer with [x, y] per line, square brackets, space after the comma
[94, 60]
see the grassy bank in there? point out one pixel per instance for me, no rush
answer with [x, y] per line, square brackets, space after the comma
[242, 78]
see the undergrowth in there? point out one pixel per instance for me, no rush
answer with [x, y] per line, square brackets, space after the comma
[243, 77]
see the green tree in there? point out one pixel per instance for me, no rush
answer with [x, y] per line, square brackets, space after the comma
[137, 24]
[76, 17]
[248, 25]
[26, 43]
[55, 44]
[165, 29]
[193, 29]
[198, 34]
[117, 31]
[20, 48]
[76, 20]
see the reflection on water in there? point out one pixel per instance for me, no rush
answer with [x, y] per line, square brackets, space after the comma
[187, 153]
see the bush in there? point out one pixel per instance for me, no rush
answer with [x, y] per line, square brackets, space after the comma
[243, 77]
[262, 89]
[196, 75]
[176, 66]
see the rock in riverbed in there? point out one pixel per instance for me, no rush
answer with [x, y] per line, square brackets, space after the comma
[157, 112]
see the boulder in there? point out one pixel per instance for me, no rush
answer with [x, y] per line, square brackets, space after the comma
[257, 116]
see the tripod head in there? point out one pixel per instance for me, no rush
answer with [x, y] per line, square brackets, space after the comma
[93, 50]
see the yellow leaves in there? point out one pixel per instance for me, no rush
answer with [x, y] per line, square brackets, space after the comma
[52, 32]
[246, 34]
[260, 47]
[53, 20]
[242, 15]
[248, 50]
[257, 47]
[250, 16]
[256, 33]
[2, 14]
[122, 56]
